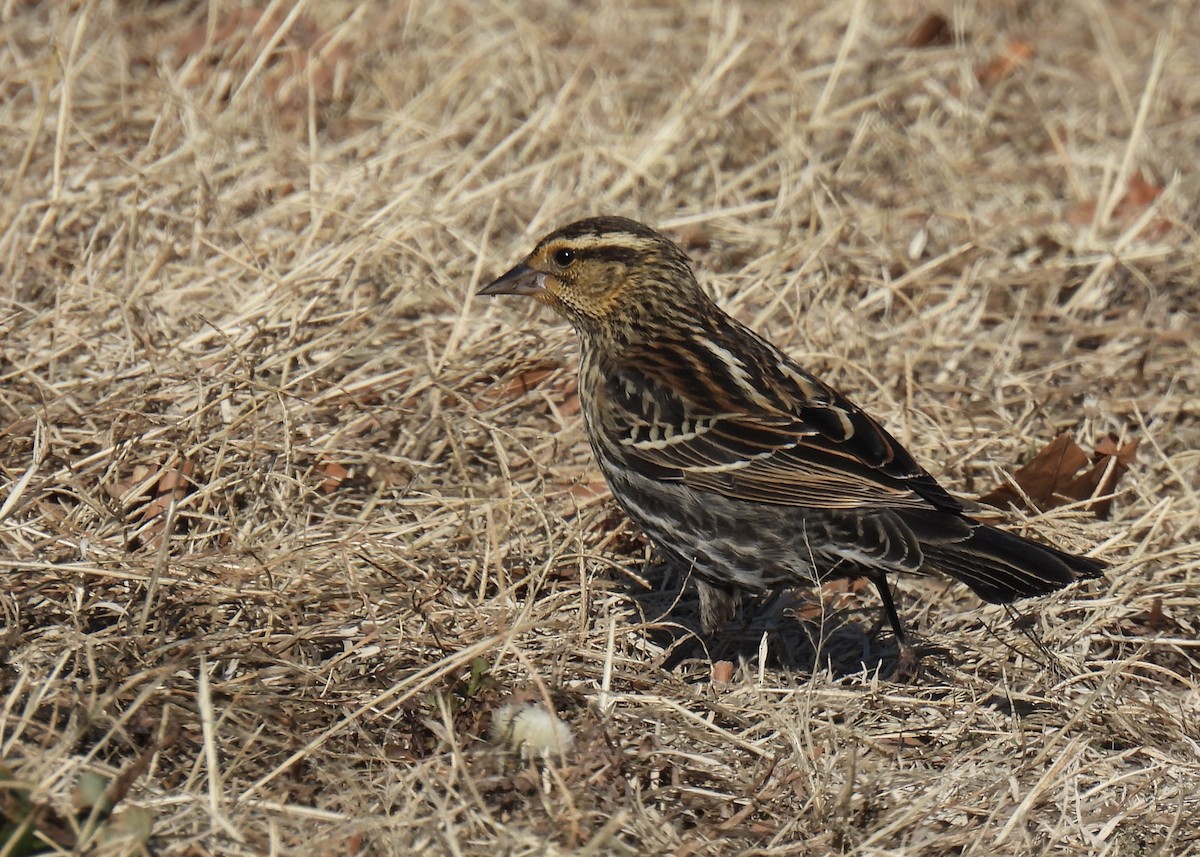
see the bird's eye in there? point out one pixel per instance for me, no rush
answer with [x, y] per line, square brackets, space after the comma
[564, 257]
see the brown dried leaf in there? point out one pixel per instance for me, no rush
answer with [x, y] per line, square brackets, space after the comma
[1016, 54]
[933, 31]
[335, 475]
[1110, 462]
[1157, 619]
[1139, 195]
[519, 385]
[1052, 478]
[1041, 478]
[525, 381]
[570, 406]
[590, 492]
[1154, 619]
[177, 480]
[174, 483]
[119, 489]
[1125, 453]
[722, 672]
[304, 62]
[833, 595]
[148, 492]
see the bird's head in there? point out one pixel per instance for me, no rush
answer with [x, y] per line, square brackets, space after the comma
[605, 275]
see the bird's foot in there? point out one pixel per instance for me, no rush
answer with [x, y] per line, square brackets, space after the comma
[911, 660]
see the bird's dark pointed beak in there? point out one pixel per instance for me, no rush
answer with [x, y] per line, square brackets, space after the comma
[521, 280]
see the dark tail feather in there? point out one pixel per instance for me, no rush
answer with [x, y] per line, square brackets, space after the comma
[1003, 567]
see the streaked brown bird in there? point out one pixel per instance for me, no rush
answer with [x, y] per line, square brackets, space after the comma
[742, 467]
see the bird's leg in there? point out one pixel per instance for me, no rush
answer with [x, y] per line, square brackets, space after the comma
[889, 607]
[907, 658]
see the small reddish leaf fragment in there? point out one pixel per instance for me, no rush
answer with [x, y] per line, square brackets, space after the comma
[722, 672]
[1139, 195]
[1015, 54]
[570, 406]
[933, 31]
[694, 238]
[1154, 619]
[335, 474]
[590, 492]
[174, 483]
[176, 480]
[526, 381]
[829, 598]
[522, 384]
[149, 492]
[1083, 213]
[119, 489]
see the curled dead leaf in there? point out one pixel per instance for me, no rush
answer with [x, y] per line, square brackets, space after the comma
[1053, 477]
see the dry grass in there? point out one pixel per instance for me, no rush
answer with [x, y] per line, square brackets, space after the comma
[288, 514]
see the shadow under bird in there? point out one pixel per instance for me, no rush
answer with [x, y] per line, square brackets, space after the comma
[743, 468]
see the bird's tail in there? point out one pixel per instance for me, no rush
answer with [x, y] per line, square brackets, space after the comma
[1002, 567]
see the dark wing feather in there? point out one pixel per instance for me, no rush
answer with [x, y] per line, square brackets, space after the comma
[821, 453]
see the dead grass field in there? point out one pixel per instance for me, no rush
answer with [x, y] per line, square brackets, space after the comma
[286, 514]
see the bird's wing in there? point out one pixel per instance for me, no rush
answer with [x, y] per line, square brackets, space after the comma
[819, 451]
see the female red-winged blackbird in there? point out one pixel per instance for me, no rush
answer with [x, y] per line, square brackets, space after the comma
[739, 464]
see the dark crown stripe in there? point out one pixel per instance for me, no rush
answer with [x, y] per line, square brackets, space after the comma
[610, 253]
[604, 226]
